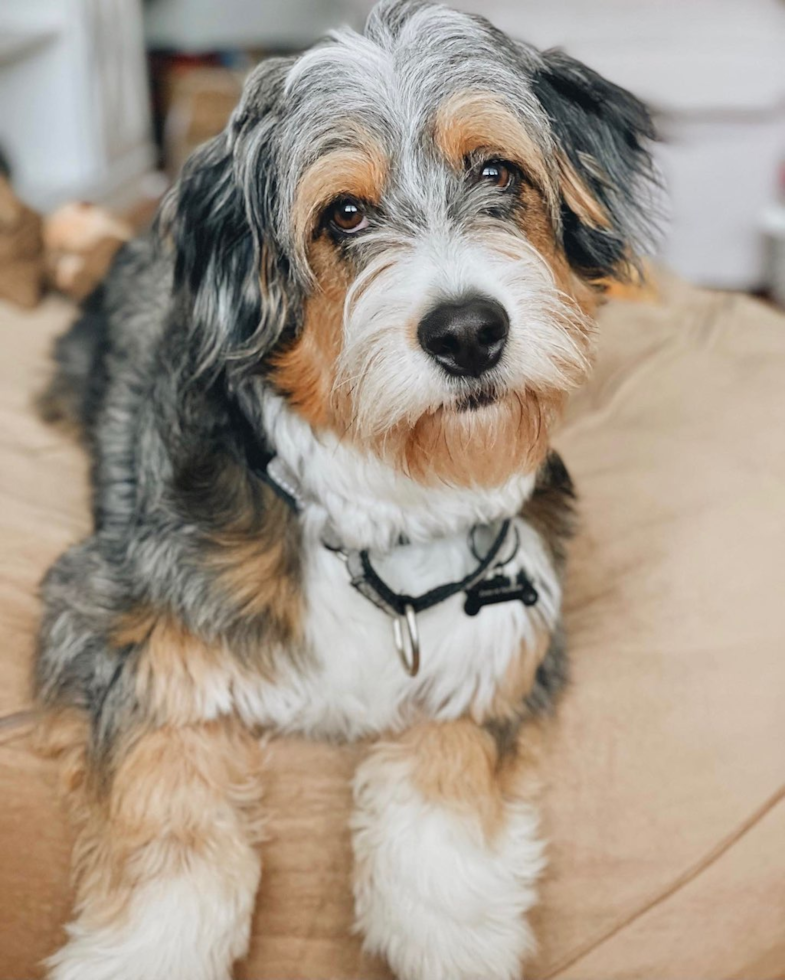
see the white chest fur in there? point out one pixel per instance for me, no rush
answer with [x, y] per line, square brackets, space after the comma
[354, 683]
[351, 681]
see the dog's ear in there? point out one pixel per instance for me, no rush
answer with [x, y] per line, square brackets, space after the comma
[229, 273]
[607, 179]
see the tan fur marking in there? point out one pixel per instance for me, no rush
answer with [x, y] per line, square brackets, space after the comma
[457, 764]
[481, 448]
[454, 764]
[536, 224]
[63, 735]
[306, 370]
[179, 674]
[175, 794]
[177, 671]
[359, 172]
[133, 627]
[579, 197]
[479, 121]
[251, 573]
[255, 565]
[519, 770]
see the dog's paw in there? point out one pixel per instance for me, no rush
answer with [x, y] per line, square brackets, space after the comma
[433, 894]
[177, 928]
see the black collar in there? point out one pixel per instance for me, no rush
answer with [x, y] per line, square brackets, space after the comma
[402, 607]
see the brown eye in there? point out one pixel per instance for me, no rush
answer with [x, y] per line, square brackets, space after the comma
[347, 215]
[498, 173]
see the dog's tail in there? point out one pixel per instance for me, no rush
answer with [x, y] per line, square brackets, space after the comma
[71, 398]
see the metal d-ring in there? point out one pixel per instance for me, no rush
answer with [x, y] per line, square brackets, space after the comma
[407, 640]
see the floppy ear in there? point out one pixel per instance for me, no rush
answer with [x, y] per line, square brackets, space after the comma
[229, 275]
[605, 165]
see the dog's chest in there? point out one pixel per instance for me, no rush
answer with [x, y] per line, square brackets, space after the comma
[353, 681]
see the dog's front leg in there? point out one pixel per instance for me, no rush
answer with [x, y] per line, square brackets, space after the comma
[446, 854]
[166, 866]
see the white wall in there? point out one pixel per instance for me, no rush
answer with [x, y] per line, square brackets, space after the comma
[74, 109]
[207, 25]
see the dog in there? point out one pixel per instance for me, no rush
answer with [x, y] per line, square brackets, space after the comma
[318, 397]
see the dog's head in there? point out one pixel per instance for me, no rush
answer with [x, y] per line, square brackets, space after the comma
[405, 231]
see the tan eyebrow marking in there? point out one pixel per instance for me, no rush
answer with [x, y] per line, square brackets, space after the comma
[470, 121]
[358, 171]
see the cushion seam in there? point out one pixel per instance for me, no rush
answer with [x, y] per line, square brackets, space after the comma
[676, 885]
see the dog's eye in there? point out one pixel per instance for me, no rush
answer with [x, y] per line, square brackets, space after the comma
[347, 216]
[498, 173]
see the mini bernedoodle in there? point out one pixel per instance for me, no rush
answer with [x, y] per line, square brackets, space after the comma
[318, 397]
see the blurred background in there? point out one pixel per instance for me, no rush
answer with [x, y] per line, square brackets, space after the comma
[102, 100]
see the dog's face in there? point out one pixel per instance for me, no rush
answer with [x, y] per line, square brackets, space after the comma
[405, 230]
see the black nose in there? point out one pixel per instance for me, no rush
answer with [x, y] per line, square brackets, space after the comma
[466, 337]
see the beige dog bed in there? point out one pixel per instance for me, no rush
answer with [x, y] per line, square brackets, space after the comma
[663, 799]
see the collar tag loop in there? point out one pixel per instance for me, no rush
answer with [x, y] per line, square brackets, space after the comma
[407, 639]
